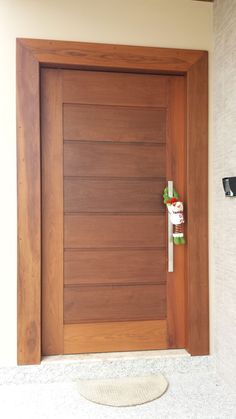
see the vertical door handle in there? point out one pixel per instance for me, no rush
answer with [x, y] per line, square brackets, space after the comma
[170, 232]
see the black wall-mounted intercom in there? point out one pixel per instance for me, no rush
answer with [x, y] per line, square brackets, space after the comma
[229, 184]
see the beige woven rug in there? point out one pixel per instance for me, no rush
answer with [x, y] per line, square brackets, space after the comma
[128, 391]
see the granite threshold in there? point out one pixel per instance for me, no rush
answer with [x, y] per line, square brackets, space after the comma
[67, 368]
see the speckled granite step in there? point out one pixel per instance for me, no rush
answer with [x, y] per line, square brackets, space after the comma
[72, 367]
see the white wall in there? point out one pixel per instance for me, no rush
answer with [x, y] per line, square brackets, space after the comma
[225, 208]
[165, 23]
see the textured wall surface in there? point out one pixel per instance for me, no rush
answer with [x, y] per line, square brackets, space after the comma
[224, 208]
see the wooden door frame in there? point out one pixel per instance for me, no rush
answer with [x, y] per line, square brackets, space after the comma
[32, 55]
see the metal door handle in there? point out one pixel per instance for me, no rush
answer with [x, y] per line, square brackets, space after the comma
[170, 232]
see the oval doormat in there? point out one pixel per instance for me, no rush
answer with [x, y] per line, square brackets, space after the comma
[128, 391]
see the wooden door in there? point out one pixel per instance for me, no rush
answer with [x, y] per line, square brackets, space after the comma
[110, 143]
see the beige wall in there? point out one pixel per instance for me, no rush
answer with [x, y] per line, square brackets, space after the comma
[165, 23]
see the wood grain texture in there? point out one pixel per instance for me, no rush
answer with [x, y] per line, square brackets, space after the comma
[176, 170]
[52, 213]
[95, 159]
[85, 55]
[110, 303]
[104, 267]
[29, 210]
[116, 123]
[114, 337]
[31, 54]
[124, 89]
[197, 181]
[99, 231]
[113, 195]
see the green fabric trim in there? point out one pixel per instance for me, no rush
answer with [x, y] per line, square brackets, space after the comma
[166, 196]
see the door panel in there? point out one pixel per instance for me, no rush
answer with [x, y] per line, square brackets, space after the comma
[113, 88]
[114, 160]
[99, 231]
[107, 163]
[113, 195]
[116, 123]
[103, 266]
[110, 337]
[97, 304]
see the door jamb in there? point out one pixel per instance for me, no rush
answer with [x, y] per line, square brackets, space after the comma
[32, 54]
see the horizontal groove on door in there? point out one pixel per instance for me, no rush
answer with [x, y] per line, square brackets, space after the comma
[93, 159]
[111, 266]
[113, 195]
[93, 122]
[114, 106]
[117, 283]
[114, 303]
[114, 249]
[127, 178]
[108, 141]
[115, 336]
[160, 212]
[114, 231]
[124, 88]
